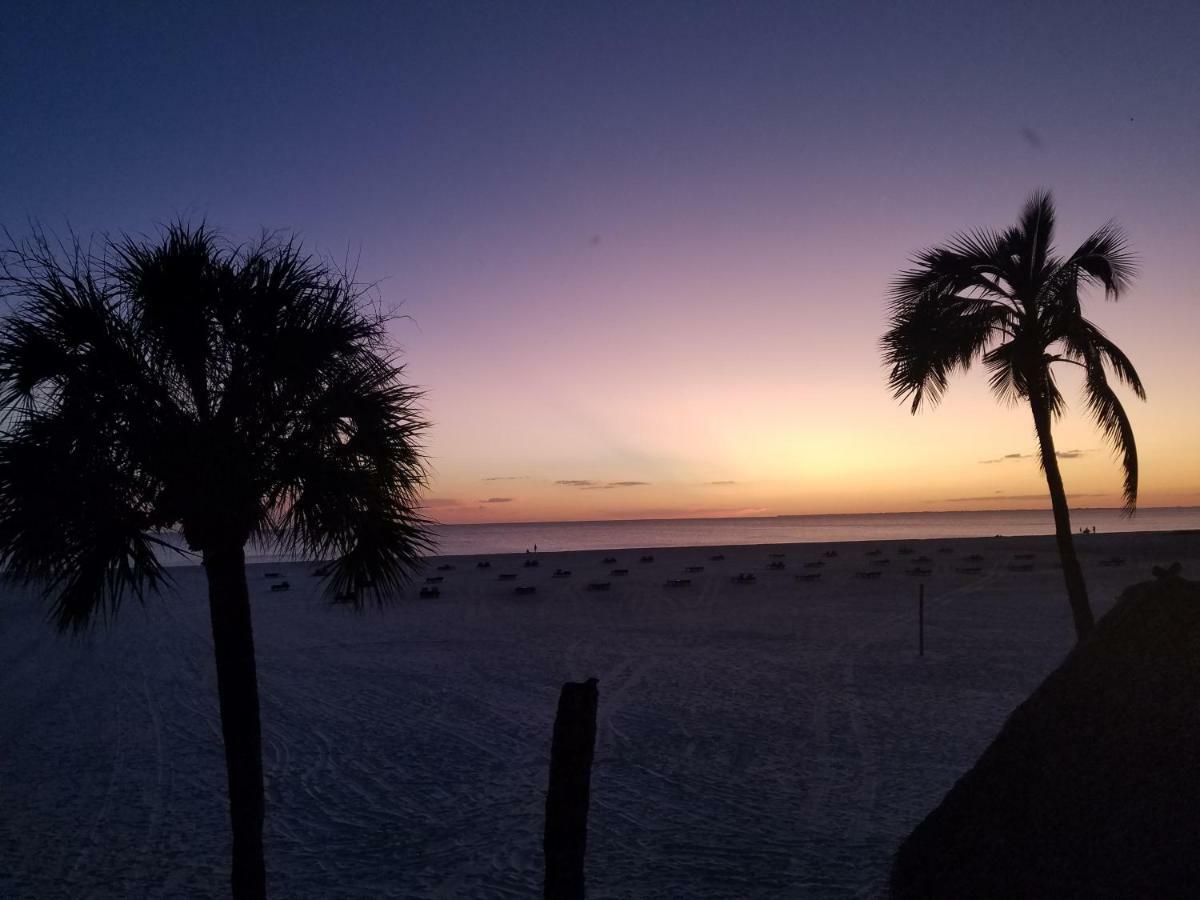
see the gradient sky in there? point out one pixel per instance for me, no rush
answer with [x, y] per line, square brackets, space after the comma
[644, 246]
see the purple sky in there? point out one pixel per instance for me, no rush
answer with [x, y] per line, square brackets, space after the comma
[645, 245]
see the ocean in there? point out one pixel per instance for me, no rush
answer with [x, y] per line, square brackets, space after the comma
[550, 536]
[517, 537]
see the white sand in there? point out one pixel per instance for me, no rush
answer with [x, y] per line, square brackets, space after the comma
[768, 740]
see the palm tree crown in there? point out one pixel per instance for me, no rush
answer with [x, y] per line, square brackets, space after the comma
[1007, 298]
[234, 393]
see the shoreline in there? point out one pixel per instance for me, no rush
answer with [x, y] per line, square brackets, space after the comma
[1083, 541]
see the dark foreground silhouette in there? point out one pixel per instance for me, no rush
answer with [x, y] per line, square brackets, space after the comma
[233, 393]
[1091, 788]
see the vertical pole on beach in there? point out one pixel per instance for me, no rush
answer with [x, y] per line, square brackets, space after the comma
[565, 840]
[921, 621]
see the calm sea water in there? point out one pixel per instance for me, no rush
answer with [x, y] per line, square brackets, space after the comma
[549, 536]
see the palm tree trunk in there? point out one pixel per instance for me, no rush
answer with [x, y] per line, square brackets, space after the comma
[1077, 596]
[237, 686]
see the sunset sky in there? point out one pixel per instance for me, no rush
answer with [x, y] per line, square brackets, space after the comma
[644, 247]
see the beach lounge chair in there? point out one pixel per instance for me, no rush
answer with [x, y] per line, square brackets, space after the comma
[969, 570]
[430, 593]
[694, 569]
[561, 573]
[869, 573]
[647, 559]
[716, 557]
[810, 576]
[919, 570]
[281, 586]
[507, 576]
[270, 574]
[525, 589]
[608, 560]
[445, 568]
[678, 582]
[619, 572]
[814, 565]
[483, 564]
[776, 566]
[434, 579]
[745, 578]
[599, 586]
[531, 563]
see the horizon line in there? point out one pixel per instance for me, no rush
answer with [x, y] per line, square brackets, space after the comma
[914, 512]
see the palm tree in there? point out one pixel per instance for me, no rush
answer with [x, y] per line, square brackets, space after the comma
[1006, 298]
[236, 394]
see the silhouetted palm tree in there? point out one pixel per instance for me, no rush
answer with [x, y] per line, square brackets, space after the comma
[1006, 298]
[236, 394]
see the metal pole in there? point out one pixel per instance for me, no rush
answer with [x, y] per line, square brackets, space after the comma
[921, 622]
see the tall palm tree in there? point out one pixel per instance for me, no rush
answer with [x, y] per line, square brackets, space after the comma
[1006, 298]
[233, 393]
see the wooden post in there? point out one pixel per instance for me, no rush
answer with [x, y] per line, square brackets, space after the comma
[921, 622]
[565, 840]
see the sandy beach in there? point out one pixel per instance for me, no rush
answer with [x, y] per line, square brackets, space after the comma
[767, 738]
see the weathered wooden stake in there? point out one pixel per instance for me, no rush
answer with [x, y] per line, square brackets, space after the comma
[921, 622]
[565, 841]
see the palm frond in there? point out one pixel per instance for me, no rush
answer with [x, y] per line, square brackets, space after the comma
[350, 474]
[170, 289]
[1036, 227]
[1086, 343]
[929, 340]
[972, 261]
[74, 520]
[237, 391]
[1005, 375]
[1114, 424]
[1106, 260]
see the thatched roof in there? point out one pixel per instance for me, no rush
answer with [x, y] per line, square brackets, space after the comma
[1092, 787]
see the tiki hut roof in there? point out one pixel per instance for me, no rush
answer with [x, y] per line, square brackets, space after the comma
[1092, 787]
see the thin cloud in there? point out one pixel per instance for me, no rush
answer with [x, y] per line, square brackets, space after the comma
[1005, 458]
[587, 484]
[1016, 497]
[720, 483]
[1061, 454]
[689, 512]
[440, 502]
[506, 478]
[498, 500]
